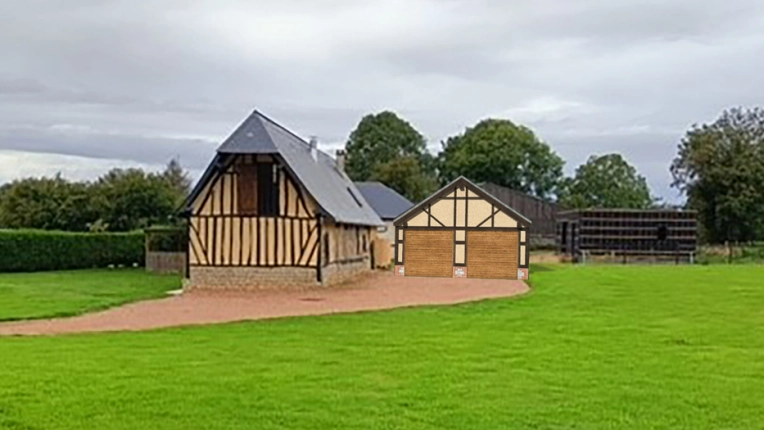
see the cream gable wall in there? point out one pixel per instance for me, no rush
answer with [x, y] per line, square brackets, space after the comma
[478, 211]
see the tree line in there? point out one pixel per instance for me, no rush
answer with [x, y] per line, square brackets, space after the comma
[120, 200]
[719, 167]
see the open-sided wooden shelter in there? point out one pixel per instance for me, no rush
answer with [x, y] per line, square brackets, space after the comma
[273, 210]
[462, 231]
[628, 235]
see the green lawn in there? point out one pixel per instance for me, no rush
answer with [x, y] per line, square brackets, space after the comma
[51, 294]
[590, 348]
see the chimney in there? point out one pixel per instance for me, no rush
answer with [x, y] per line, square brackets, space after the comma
[339, 159]
[314, 148]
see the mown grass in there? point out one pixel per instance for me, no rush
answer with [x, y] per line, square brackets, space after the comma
[589, 348]
[57, 294]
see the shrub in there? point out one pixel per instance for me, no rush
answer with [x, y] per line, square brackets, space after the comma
[166, 239]
[36, 250]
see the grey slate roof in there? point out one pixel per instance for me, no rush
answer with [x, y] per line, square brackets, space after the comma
[386, 201]
[334, 192]
[251, 137]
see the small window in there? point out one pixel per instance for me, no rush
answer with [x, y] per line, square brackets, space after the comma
[246, 184]
[358, 202]
[365, 243]
[267, 189]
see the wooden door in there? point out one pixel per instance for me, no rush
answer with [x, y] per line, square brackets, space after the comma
[429, 253]
[492, 254]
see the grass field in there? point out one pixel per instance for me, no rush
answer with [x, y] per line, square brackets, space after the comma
[590, 348]
[51, 294]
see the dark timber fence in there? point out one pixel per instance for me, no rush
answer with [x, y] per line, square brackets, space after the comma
[540, 212]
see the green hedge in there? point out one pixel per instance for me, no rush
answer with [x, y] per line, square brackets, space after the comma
[34, 250]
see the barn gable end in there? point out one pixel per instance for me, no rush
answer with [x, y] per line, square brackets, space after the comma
[468, 227]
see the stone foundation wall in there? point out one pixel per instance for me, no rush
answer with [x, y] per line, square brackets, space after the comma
[272, 278]
[334, 274]
[250, 278]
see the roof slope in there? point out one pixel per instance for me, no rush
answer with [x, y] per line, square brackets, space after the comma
[334, 192]
[386, 201]
[522, 220]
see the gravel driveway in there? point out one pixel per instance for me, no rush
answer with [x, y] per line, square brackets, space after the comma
[378, 291]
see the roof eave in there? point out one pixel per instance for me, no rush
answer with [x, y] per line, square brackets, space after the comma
[521, 219]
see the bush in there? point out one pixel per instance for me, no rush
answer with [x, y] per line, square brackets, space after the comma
[37, 250]
[166, 239]
[741, 254]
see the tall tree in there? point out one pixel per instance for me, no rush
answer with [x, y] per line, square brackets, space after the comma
[178, 180]
[384, 138]
[720, 168]
[499, 151]
[404, 175]
[128, 199]
[606, 181]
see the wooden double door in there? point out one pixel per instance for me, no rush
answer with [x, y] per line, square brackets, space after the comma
[490, 254]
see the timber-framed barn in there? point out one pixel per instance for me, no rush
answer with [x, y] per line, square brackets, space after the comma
[272, 210]
[464, 232]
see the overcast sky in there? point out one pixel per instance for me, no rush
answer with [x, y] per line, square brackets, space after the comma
[86, 85]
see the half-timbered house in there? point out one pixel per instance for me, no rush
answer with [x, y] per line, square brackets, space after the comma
[464, 232]
[272, 210]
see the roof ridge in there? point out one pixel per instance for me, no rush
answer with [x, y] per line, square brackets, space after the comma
[281, 127]
[476, 187]
[236, 130]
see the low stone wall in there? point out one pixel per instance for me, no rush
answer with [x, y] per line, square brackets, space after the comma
[166, 262]
[270, 278]
[338, 273]
[250, 278]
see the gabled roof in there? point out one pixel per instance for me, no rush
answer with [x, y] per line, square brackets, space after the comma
[477, 190]
[333, 191]
[386, 201]
[252, 137]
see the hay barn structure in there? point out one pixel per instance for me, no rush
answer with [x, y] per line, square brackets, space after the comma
[627, 235]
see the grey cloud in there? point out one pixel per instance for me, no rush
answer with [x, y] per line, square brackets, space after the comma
[145, 81]
[194, 153]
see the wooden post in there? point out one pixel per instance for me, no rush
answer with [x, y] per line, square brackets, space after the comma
[729, 251]
[319, 275]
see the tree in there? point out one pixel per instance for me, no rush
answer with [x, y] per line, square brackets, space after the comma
[46, 203]
[120, 200]
[720, 168]
[606, 181]
[384, 139]
[404, 175]
[178, 180]
[504, 153]
[129, 199]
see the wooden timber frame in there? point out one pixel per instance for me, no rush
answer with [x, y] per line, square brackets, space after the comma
[461, 207]
[627, 235]
[221, 236]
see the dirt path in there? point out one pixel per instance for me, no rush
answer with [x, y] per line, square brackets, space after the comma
[382, 291]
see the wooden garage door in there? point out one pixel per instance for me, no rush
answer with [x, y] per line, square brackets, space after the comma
[429, 253]
[492, 254]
